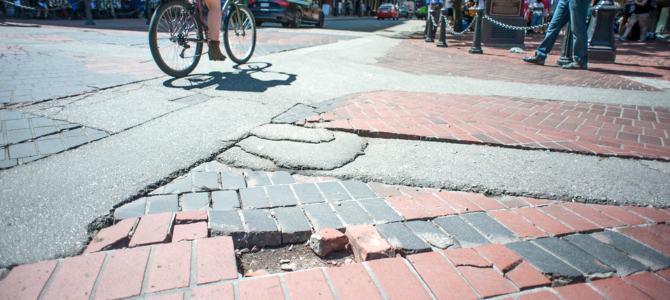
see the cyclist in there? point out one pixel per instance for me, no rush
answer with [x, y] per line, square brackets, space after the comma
[214, 23]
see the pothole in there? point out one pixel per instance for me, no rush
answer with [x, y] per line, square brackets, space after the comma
[293, 257]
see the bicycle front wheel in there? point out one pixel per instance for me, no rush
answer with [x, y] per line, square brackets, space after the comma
[239, 34]
[171, 34]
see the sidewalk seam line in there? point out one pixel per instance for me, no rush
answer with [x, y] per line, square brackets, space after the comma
[330, 283]
[284, 287]
[459, 273]
[47, 284]
[194, 264]
[375, 281]
[145, 280]
[418, 277]
[108, 256]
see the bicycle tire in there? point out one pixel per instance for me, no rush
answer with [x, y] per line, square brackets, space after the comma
[240, 39]
[172, 58]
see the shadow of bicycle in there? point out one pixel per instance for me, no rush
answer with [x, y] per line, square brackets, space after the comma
[251, 77]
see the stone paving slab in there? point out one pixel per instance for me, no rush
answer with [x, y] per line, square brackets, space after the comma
[595, 129]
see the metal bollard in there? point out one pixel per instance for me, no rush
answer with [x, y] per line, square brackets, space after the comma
[89, 15]
[566, 48]
[429, 27]
[443, 29]
[477, 39]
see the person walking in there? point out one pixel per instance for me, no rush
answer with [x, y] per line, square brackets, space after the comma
[640, 16]
[575, 12]
[537, 10]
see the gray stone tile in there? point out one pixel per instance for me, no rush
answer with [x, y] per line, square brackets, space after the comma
[358, 189]
[41, 131]
[225, 200]
[281, 195]
[576, 257]
[73, 132]
[15, 136]
[380, 211]
[50, 146]
[648, 256]
[281, 177]
[254, 198]
[205, 181]
[22, 150]
[134, 209]
[8, 163]
[307, 193]
[195, 201]
[228, 223]
[623, 263]
[261, 228]
[17, 124]
[293, 225]
[32, 158]
[403, 239]
[9, 115]
[430, 233]
[163, 203]
[179, 185]
[351, 213]
[95, 137]
[230, 181]
[2, 154]
[42, 122]
[493, 230]
[465, 234]
[257, 178]
[321, 215]
[543, 260]
[75, 141]
[333, 191]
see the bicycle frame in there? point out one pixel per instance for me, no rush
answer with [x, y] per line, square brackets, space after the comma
[225, 8]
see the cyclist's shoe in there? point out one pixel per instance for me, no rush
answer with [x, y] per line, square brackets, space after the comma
[215, 52]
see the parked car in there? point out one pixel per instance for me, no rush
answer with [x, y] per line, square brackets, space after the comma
[420, 11]
[291, 13]
[387, 11]
[403, 13]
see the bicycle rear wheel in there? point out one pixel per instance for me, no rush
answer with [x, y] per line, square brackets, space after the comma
[171, 25]
[239, 34]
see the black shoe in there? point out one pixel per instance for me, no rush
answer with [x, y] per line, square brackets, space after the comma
[575, 65]
[538, 60]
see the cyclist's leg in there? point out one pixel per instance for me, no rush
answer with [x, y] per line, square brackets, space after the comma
[214, 24]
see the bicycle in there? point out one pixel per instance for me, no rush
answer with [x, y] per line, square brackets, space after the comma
[178, 24]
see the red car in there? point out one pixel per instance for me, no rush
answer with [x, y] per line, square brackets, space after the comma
[387, 11]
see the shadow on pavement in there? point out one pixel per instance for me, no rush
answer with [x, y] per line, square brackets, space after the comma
[251, 77]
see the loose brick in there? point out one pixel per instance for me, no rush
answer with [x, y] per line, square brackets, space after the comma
[525, 276]
[152, 229]
[466, 257]
[228, 223]
[408, 207]
[430, 233]
[433, 205]
[483, 202]
[615, 288]
[500, 256]
[493, 230]
[27, 281]
[308, 285]
[543, 221]
[352, 282]
[214, 292]
[112, 236]
[397, 279]
[358, 189]
[281, 195]
[648, 238]
[76, 277]
[653, 214]
[293, 225]
[308, 193]
[623, 264]
[124, 274]
[261, 228]
[333, 191]
[441, 278]
[170, 267]
[185, 217]
[578, 291]
[266, 288]
[650, 284]
[620, 214]
[543, 260]
[351, 213]
[578, 258]
[254, 198]
[520, 226]
[461, 231]
[189, 232]
[367, 244]
[487, 281]
[328, 240]
[459, 203]
[651, 258]
[225, 200]
[402, 239]
[321, 216]
[216, 260]
[195, 201]
[593, 215]
[575, 222]
[541, 295]
[380, 211]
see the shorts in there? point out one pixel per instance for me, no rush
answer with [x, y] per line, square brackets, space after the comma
[640, 17]
[450, 11]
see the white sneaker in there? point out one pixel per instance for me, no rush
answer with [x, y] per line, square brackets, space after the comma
[642, 39]
[621, 38]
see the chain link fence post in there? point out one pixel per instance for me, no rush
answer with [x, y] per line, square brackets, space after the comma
[89, 15]
[443, 29]
[566, 48]
[429, 27]
[477, 38]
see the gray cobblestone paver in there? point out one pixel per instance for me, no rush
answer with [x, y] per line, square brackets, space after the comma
[307, 193]
[163, 203]
[543, 260]
[495, 231]
[195, 201]
[228, 222]
[358, 189]
[281, 177]
[230, 181]
[257, 178]
[225, 200]
[403, 239]
[205, 181]
[351, 213]
[380, 211]
[133, 209]
[623, 263]
[254, 198]
[573, 255]
[321, 215]
[430, 233]
[75, 141]
[293, 224]
[179, 185]
[22, 150]
[650, 257]
[461, 231]
[281, 195]
[50, 146]
[333, 191]
[261, 228]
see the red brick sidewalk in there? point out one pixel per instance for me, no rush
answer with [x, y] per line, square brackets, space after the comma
[602, 129]
[649, 60]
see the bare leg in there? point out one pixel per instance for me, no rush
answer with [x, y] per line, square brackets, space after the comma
[214, 19]
[629, 28]
[643, 29]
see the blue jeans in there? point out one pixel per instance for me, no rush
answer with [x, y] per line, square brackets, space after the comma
[574, 11]
[536, 19]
